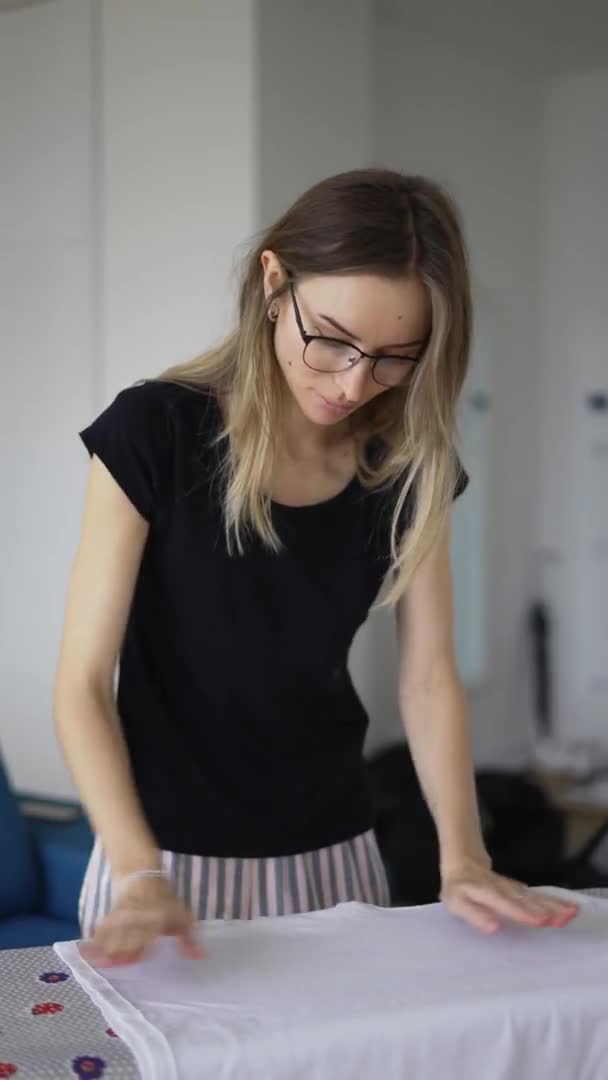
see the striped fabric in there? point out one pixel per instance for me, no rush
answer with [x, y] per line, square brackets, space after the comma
[215, 888]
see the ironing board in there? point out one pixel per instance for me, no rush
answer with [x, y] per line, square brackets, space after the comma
[51, 1030]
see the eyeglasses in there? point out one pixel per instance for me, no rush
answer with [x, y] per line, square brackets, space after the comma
[333, 355]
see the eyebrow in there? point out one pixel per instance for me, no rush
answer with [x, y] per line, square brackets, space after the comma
[349, 334]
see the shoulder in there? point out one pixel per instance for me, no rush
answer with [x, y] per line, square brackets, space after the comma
[385, 498]
[158, 398]
[157, 412]
[376, 450]
[149, 436]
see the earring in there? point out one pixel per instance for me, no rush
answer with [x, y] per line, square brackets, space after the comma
[273, 312]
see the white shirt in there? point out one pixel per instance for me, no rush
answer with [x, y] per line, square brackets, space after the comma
[364, 993]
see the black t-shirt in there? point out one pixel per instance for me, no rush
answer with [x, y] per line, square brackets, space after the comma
[244, 731]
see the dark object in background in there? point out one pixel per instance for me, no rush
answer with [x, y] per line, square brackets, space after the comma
[589, 869]
[404, 828]
[524, 834]
[540, 635]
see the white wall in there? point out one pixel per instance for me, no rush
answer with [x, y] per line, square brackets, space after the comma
[179, 142]
[476, 128]
[46, 305]
[128, 135]
[572, 479]
[315, 92]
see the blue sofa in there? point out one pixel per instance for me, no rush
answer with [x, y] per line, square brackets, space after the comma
[42, 864]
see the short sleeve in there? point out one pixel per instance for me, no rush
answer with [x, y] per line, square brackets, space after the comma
[132, 439]
[409, 509]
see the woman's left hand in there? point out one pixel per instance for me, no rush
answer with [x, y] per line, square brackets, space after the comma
[473, 892]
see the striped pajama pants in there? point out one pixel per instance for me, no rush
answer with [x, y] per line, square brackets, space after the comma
[243, 888]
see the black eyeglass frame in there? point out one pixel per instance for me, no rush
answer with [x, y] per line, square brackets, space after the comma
[360, 354]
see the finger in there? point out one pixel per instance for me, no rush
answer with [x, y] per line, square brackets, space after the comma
[500, 897]
[99, 957]
[556, 906]
[474, 914]
[119, 940]
[121, 959]
[117, 952]
[557, 912]
[562, 918]
[184, 931]
[556, 903]
[522, 906]
[187, 942]
[90, 952]
[518, 908]
[188, 947]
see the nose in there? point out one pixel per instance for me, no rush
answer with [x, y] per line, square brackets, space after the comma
[353, 383]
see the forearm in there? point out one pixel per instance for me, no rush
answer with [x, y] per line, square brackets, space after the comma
[436, 724]
[94, 748]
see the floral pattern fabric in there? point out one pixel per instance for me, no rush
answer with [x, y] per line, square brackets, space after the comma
[49, 1028]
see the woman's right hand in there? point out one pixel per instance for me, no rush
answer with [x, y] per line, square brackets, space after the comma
[146, 909]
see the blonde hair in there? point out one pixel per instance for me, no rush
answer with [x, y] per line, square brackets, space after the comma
[372, 220]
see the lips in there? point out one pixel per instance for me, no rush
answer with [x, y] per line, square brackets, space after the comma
[335, 406]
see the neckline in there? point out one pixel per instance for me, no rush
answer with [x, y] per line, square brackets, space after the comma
[299, 507]
[322, 504]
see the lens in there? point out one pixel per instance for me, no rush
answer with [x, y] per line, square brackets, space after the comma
[332, 355]
[391, 371]
[326, 354]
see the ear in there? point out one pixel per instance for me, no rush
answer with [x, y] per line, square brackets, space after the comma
[274, 274]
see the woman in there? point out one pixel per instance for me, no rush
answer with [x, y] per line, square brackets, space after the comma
[242, 514]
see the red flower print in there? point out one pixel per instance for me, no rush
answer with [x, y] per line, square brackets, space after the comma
[6, 1069]
[53, 977]
[46, 1008]
[112, 1033]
